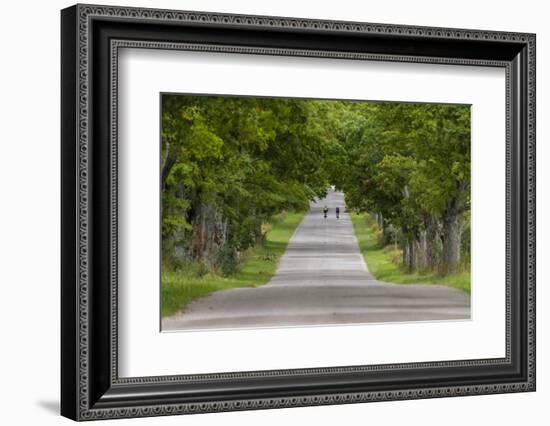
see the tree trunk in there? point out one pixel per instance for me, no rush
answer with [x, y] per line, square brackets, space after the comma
[412, 256]
[380, 221]
[432, 238]
[409, 255]
[210, 234]
[422, 251]
[199, 232]
[167, 164]
[452, 233]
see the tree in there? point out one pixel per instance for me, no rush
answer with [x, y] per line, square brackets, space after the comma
[410, 165]
[229, 164]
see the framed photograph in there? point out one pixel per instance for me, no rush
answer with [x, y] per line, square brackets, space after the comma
[263, 212]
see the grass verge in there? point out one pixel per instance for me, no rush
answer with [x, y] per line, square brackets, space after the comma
[381, 260]
[179, 288]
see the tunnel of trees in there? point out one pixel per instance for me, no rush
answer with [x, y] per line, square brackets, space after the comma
[230, 164]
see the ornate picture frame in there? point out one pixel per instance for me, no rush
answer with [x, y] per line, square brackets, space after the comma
[91, 37]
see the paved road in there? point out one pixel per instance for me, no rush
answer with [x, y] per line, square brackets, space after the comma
[322, 279]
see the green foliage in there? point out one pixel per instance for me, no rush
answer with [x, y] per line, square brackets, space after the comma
[409, 160]
[410, 163]
[248, 157]
[228, 261]
[230, 164]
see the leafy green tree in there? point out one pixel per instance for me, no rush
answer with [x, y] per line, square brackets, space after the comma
[229, 164]
[410, 164]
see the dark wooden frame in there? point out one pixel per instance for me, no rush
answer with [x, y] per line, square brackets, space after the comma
[90, 386]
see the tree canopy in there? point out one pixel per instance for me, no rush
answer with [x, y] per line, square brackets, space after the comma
[229, 164]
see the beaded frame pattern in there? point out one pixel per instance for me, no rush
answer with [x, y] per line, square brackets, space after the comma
[87, 12]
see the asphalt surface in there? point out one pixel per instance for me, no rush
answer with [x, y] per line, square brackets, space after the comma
[322, 279]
